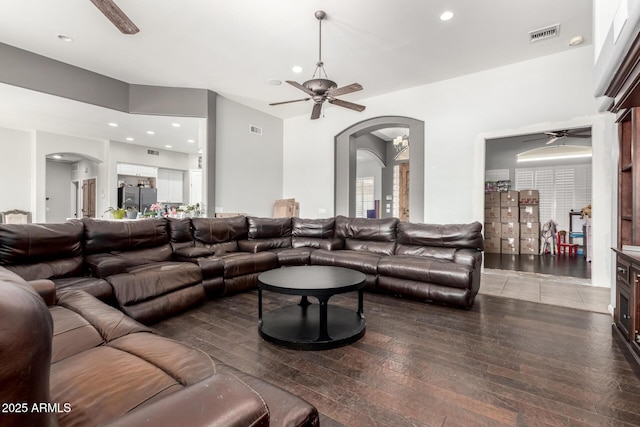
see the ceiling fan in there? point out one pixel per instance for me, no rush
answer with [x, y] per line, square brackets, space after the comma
[561, 134]
[116, 16]
[322, 89]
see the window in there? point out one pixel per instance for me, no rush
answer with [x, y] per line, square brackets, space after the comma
[364, 196]
[561, 188]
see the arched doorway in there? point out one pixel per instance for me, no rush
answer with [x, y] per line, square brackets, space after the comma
[354, 137]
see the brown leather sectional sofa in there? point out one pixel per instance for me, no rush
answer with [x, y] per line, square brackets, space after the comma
[111, 368]
[84, 363]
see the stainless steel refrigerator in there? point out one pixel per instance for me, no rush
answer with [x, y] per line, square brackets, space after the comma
[140, 198]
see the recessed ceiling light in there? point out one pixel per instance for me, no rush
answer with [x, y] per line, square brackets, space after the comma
[446, 16]
[175, 125]
[64, 38]
[191, 141]
[274, 82]
[168, 146]
[129, 138]
[113, 125]
[57, 156]
[150, 132]
[296, 69]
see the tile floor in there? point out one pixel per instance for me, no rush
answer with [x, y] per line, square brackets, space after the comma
[547, 289]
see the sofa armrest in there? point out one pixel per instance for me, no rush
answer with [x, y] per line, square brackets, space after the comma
[104, 265]
[221, 400]
[470, 257]
[46, 288]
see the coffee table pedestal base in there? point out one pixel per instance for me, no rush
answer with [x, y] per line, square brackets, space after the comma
[299, 327]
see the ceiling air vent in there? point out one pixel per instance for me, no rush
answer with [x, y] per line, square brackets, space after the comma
[255, 130]
[153, 152]
[544, 33]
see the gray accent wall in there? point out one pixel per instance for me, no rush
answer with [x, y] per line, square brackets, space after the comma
[249, 173]
[36, 72]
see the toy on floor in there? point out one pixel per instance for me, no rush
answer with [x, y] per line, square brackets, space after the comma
[548, 238]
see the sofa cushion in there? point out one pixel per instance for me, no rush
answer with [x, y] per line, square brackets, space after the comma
[383, 230]
[151, 280]
[219, 230]
[241, 263]
[427, 251]
[179, 230]
[317, 228]
[50, 269]
[259, 245]
[106, 236]
[153, 255]
[267, 228]
[99, 288]
[382, 248]
[329, 243]
[293, 256]
[429, 270]
[443, 235]
[104, 382]
[365, 262]
[42, 251]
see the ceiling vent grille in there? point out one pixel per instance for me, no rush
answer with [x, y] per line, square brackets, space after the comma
[255, 130]
[544, 33]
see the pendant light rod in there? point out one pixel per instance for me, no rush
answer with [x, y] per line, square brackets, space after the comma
[320, 16]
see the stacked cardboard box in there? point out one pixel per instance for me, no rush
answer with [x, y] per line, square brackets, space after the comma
[509, 217]
[492, 225]
[529, 222]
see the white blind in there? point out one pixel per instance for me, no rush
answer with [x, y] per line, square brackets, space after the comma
[364, 196]
[561, 188]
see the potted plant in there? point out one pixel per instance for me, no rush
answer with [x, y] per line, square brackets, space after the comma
[116, 213]
[132, 212]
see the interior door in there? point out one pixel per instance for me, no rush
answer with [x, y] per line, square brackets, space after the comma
[89, 198]
[404, 191]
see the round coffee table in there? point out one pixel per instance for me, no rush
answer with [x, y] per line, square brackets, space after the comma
[307, 326]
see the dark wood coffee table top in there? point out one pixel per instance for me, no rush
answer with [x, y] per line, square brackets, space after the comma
[311, 280]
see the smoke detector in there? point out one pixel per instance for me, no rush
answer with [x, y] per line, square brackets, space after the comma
[544, 33]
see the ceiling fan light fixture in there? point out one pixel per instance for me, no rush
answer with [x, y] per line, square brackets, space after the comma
[319, 88]
[561, 152]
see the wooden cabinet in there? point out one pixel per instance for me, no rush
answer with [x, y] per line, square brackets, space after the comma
[627, 311]
[136, 170]
[170, 185]
[629, 179]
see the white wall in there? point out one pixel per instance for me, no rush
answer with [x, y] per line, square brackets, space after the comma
[459, 114]
[58, 191]
[603, 12]
[15, 170]
[248, 175]
[46, 143]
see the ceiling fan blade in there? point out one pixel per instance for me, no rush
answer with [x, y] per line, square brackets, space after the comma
[317, 109]
[288, 102]
[554, 139]
[302, 88]
[347, 104]
[116, 16]
[535, 139]
[353, 87]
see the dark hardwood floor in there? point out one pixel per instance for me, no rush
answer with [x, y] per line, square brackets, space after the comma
[557, 265]
[505, 362]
